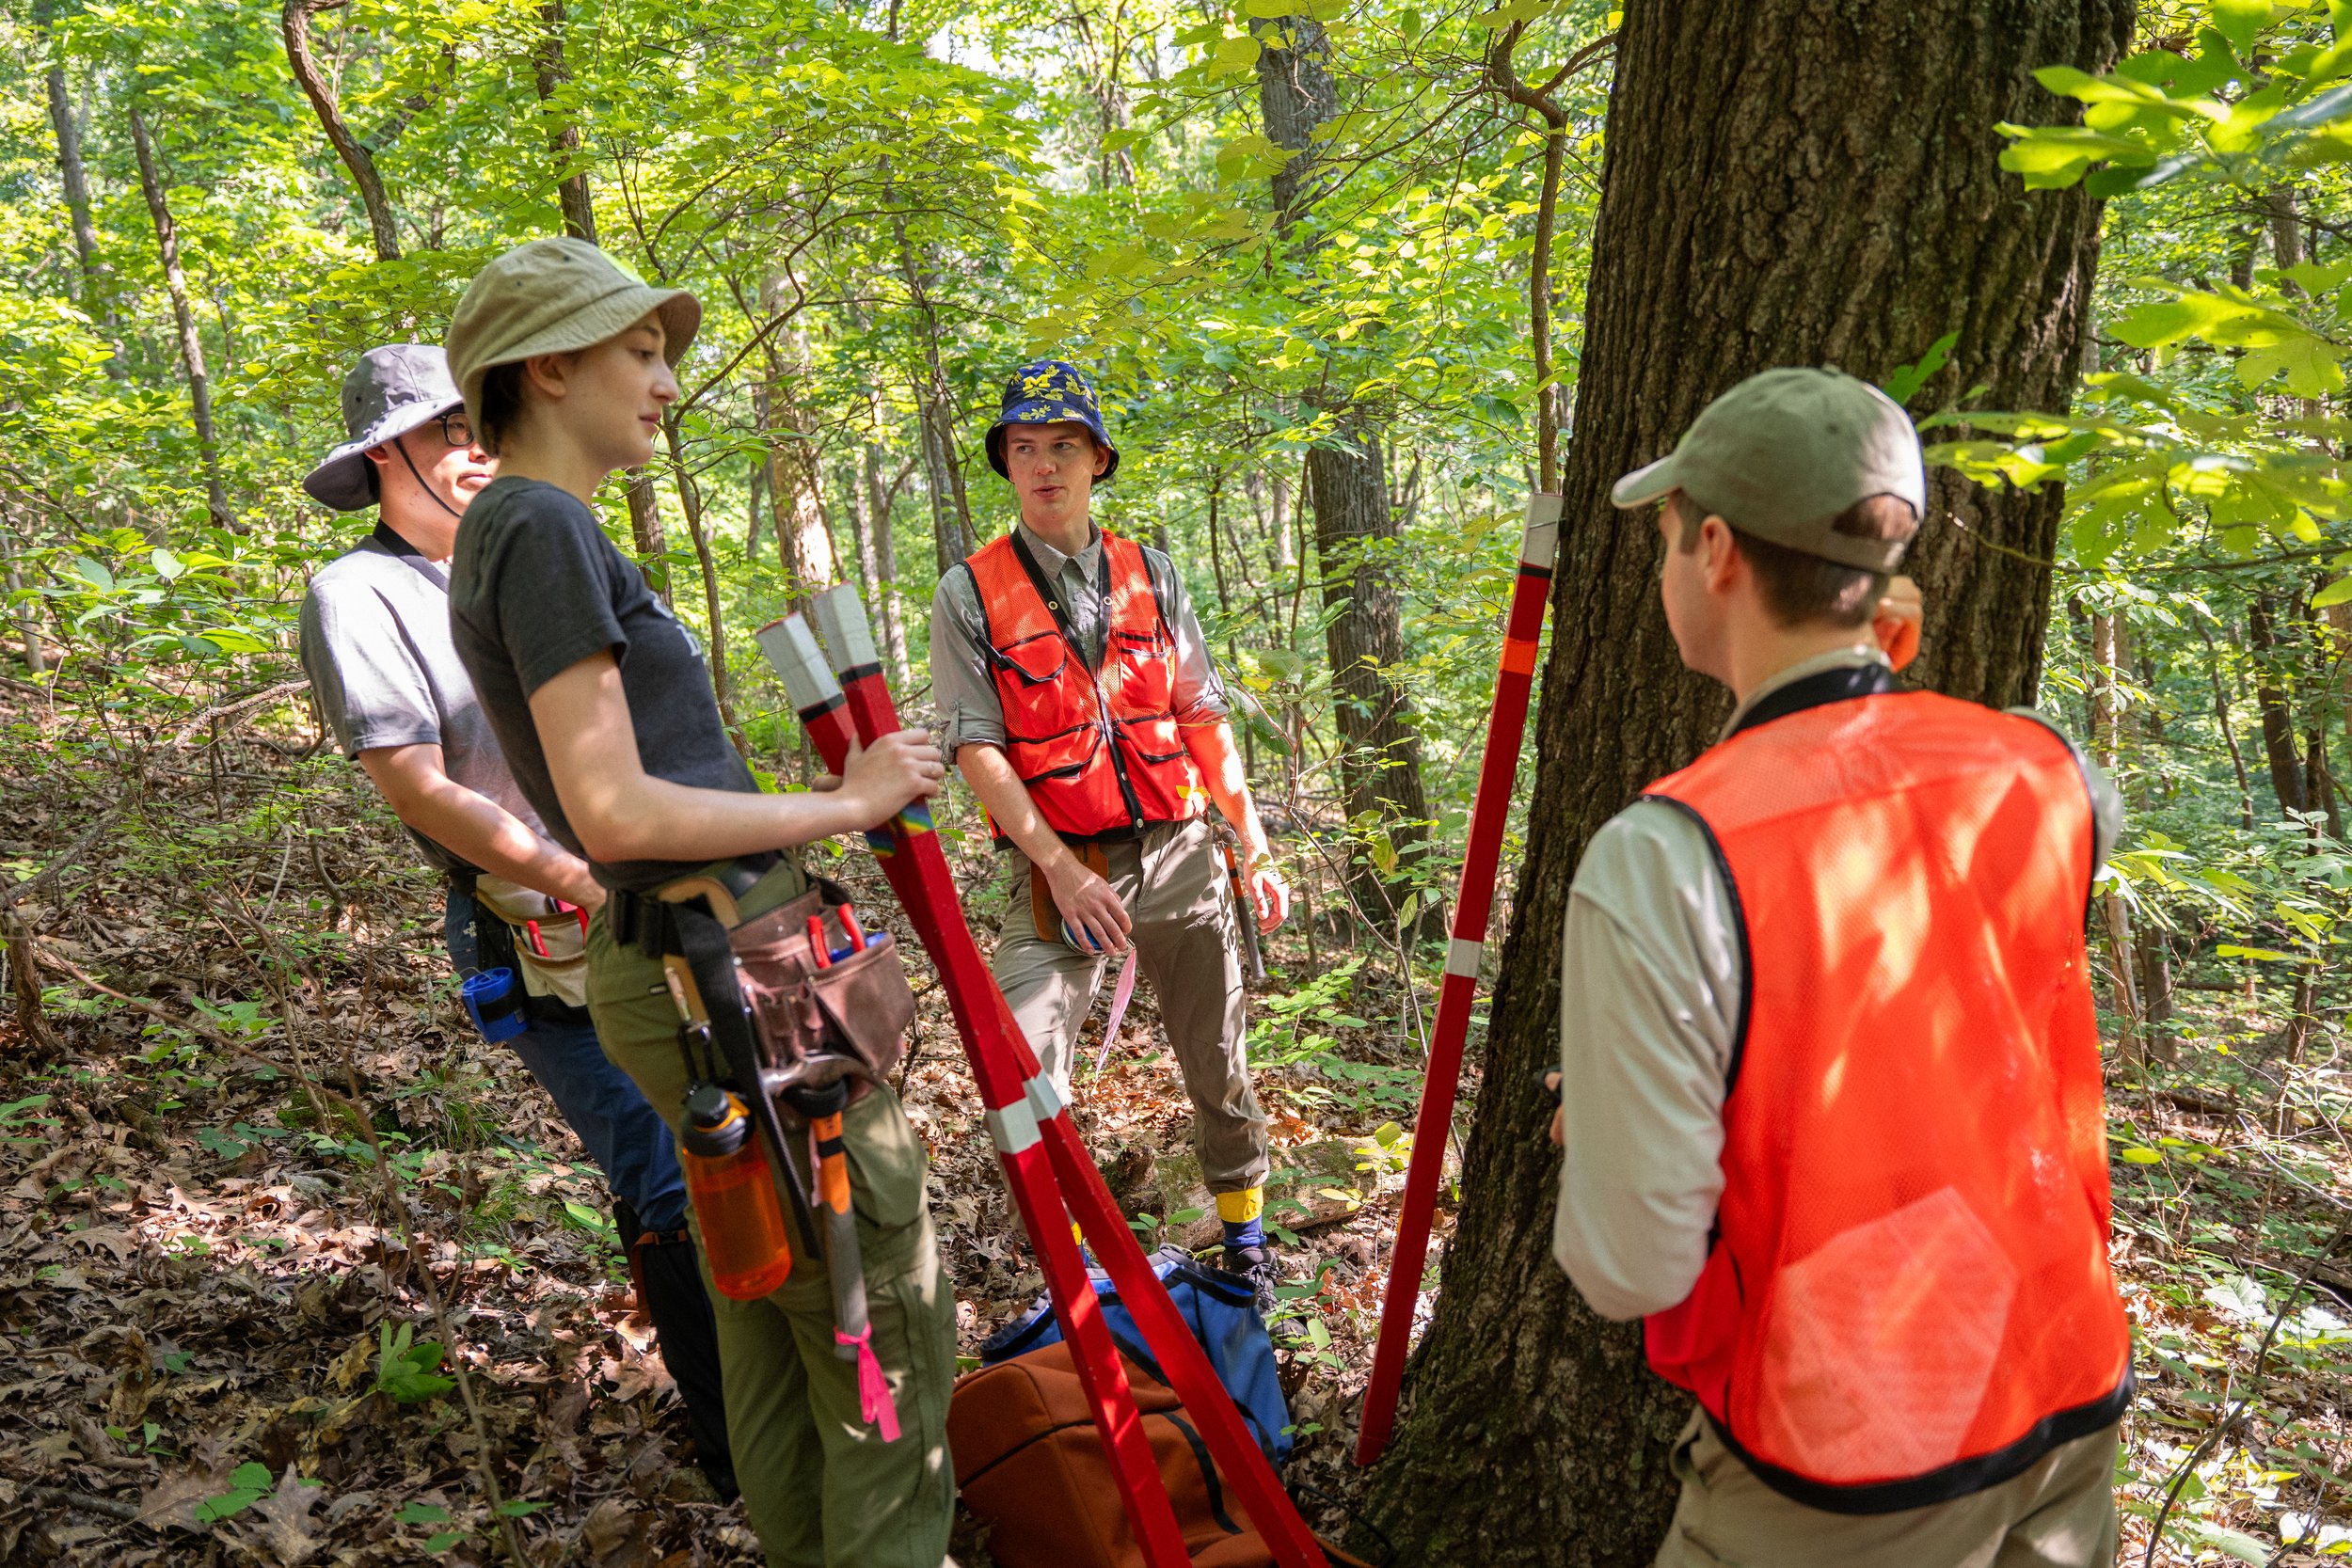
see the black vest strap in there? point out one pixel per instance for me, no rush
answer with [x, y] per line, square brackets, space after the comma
[1830, 686]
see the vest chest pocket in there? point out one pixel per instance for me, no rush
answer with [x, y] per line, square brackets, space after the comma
[1147, 665]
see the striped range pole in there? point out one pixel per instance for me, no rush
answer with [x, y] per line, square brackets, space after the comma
[1046, 1164]
[1496, 770]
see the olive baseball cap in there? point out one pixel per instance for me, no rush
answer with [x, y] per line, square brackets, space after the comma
[390, 392]
[553, 296]
[1784, 452]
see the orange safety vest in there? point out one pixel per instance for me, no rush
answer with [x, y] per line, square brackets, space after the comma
[1907, 1298]
[1100, 750]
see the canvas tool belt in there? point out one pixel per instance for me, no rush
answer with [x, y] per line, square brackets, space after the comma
[548, 936]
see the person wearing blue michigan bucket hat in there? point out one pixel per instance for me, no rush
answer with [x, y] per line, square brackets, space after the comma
[377, 647]
[1082, 706]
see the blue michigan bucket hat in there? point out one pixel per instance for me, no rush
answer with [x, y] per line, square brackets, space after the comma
[1049, 391]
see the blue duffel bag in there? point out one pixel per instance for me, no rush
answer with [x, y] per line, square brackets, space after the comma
[1223, 1316]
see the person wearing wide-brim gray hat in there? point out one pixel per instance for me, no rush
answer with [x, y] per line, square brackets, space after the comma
[553, 296]
[392, 390]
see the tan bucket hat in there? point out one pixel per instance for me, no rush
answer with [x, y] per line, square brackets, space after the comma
[553, 296]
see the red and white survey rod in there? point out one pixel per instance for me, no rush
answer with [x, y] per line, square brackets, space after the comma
[1046, 1165]
[1496, 770]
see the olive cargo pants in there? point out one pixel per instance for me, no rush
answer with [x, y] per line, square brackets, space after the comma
[1174, 884]
[2059, 1513]
[820, 1486]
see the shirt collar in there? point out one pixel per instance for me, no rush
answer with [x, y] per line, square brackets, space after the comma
[1851, 657]
[1051, 561]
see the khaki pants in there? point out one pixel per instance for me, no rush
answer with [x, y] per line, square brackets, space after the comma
[1174, 885]
[2061, 1514]
[821, 1487]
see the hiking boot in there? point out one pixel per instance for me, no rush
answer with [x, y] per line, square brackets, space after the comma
[1256, 1264]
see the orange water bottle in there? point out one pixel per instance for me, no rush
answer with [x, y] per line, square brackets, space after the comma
[734, 1196]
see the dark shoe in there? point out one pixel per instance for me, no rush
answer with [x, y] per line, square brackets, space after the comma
[670, 1289]
[1256, 1264]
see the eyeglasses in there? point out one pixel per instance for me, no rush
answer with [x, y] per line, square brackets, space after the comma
[456, 430]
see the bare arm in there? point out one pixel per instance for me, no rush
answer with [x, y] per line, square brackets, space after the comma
[415, 780]
[1221, 764]
[621, 813]
[1085, 899]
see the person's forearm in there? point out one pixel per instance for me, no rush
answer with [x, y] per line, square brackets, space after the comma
[479, 830]
[640, 817]
[990, 777]
[470, 825]
[1221, 768]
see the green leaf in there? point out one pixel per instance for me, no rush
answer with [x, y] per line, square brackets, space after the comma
[2138, 1156]
[1906, 380]
[443, 1541]
[2335, 593]
[422, 1513]
[2244, 1547]
[2239, 21]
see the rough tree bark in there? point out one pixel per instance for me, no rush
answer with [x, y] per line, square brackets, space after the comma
[2270, 698]
[551, 75]
[183, 316]
[295, 22]
[803, 537]
[72, 171]
[1347, 489]
[2110, 720]
[1785, 183]
[883, 568]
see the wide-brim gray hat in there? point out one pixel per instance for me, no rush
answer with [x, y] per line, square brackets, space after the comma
[554, 296]
[390, 392]
[1784, 452]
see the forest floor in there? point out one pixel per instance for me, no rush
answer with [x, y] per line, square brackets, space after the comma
[215, 1322]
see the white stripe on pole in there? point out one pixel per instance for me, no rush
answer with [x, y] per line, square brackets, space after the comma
[1541, 541]
[792, 650]
[1046, 1101]
[1461, 958]
[1013, 1128]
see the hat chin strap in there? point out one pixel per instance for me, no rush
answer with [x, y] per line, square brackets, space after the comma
[400, 446]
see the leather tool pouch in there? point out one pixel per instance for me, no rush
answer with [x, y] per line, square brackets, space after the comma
[820, 1024]
[1043, 913]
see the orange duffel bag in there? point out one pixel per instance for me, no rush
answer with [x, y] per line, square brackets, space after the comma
[1029, 1464]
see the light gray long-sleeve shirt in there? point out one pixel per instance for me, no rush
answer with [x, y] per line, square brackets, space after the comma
[966, 690]
[1650, 992]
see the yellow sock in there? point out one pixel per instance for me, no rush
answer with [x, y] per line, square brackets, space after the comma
[1242, 1207]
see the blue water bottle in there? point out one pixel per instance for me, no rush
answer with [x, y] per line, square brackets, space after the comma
[495, 1003]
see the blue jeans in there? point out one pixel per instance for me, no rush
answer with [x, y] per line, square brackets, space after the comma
[624, 1136]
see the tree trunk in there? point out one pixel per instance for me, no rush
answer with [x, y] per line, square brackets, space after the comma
[804, 540]
[644, 528]
[952, 534]
[295, 22]
[691, 505]
[1347, 488]
[1364, 639]
[884, 568]
[70, 169]
[191, 344]
[27, 616]
[551, 75]
[2270, 698]
[1806, 186]
[2110, 655]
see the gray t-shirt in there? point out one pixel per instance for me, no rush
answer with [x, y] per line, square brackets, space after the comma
[965, 690]
[375, 643]
[534, 589]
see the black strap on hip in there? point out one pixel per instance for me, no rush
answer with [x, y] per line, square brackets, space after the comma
[696, 936]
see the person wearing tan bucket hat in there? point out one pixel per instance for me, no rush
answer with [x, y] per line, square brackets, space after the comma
[1831, 1113]
[604, 706]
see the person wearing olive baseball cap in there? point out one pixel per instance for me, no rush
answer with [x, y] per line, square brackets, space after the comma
[1830, 1082]
[604, 707]
[377, 644]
